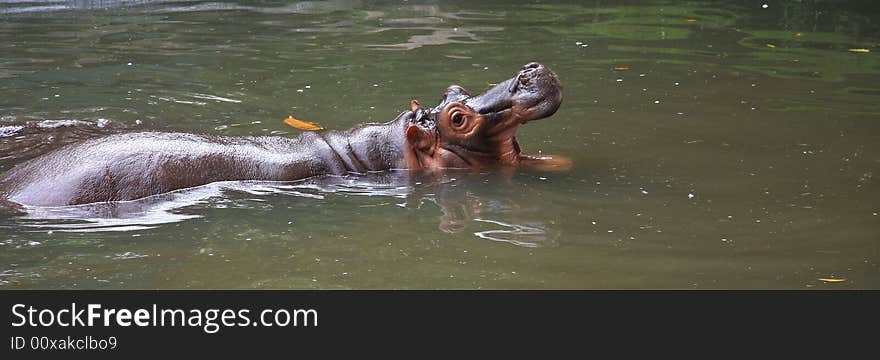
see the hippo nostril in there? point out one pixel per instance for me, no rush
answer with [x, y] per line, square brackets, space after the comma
[528, 70]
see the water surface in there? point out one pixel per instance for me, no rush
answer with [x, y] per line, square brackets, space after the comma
[716, 144]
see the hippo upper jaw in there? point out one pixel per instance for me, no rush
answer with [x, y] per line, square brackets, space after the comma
[534, 93]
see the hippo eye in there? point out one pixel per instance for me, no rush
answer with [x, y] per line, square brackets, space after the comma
[457, 119]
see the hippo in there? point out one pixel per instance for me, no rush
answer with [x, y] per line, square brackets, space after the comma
[462, 131]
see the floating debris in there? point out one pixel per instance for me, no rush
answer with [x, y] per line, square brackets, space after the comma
[832, 280]
[302, 125]
[860, 50]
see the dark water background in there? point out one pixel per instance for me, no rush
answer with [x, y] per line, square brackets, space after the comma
[739, 150]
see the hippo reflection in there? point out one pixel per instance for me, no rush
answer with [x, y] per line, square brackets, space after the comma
[462, 131]
[495, 206]
[504, 211]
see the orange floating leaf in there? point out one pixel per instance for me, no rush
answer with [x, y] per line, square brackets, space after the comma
[302, 125]
[621, 68]
[832, 280]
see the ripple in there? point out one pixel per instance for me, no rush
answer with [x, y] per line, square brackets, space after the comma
[162, 6]
[438, 36]
[127, 255]
[150, 212]
[519, 235]
[7, 131]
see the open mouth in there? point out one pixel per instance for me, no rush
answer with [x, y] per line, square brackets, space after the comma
[533, 93]
[474, 131]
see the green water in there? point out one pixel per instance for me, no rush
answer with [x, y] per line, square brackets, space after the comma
[738, 151]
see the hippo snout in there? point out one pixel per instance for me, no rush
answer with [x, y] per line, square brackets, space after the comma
[539, 90]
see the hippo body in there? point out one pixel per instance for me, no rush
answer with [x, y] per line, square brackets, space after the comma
[462, 131]
[134, 165]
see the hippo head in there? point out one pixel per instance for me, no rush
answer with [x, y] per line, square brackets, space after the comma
[466, 131]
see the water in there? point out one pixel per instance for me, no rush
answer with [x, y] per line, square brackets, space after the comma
[734, 146]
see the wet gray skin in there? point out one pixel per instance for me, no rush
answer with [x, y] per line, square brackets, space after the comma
[135, 165]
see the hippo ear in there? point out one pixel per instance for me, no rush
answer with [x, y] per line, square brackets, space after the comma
[418, 138]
